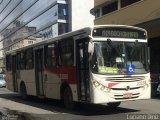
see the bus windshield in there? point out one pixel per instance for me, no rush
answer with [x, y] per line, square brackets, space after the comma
[119, 58]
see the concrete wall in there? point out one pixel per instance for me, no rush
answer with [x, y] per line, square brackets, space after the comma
[136, 13]
[99, 2]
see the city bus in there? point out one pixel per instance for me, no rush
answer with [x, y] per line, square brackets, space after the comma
[104, 64]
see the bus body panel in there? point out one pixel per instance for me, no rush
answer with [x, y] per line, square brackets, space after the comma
[52, 85]
[108, 90]
[9, 81]
[56, 76]
[28, 77]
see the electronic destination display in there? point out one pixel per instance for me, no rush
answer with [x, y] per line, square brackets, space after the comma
[119, 32]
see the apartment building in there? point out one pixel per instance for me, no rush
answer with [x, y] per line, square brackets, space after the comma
[141, 13]
[36, 20]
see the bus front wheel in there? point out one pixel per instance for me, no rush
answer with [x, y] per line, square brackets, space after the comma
[113, 104]
[68, 98]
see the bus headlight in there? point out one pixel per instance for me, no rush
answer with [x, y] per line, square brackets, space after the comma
[100, 86]
[96, 83]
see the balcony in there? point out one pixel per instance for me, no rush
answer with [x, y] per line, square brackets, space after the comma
[140, 12]
[99, 2]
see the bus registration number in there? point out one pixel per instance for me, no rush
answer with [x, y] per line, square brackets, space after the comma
[141, 83]
[127, 95]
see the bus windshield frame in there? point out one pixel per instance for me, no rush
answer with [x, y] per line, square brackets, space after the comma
[119, 58]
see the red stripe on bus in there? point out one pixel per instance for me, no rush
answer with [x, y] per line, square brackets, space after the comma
[67, 74]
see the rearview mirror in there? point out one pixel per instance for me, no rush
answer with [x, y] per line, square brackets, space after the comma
[90, 47]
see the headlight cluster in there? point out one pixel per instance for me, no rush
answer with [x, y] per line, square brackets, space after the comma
[100, 86]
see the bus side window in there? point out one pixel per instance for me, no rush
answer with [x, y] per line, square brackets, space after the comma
[22, 60]
[18, 60]
[50, 55]
[8, 62]
[67, 52]
[29, 59]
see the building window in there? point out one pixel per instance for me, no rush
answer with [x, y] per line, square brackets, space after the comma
[127, 2]
[30, 42]
[110, 8]
[62, 11]
[97, 13]
[62, 28]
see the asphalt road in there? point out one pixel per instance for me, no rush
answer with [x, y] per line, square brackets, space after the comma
[12, 107]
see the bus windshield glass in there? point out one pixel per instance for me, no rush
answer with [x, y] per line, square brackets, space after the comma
[120, 58]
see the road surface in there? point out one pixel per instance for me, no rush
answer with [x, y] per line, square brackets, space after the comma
[14, 108]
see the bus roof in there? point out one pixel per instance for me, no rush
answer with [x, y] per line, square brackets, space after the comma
[70, 34]
[63, 36]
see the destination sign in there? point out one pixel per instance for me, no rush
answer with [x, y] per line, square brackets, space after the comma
[118, 32]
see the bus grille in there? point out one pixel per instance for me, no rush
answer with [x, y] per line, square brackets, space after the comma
[129, 78]
[133, 88]
[125, 79]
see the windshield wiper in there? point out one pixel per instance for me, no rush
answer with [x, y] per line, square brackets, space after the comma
[119, 54]
[135, 45]
[109, 42]
[133, 48]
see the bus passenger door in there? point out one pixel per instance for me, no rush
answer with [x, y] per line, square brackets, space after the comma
[39, 72]
[82, 70]
[14, 73]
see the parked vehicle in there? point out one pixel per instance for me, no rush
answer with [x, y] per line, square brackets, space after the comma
[2, 81]
[155, 85]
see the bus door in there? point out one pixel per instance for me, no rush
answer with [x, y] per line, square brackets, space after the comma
[14, 73]
[82, 70]
[39, 72]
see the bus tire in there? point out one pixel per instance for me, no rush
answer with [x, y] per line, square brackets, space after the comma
[23, 91]
[68, 98]
[113, 104]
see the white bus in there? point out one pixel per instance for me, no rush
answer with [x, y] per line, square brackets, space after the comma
[102, 64]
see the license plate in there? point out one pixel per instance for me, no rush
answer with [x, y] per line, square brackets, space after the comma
[127, 95]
